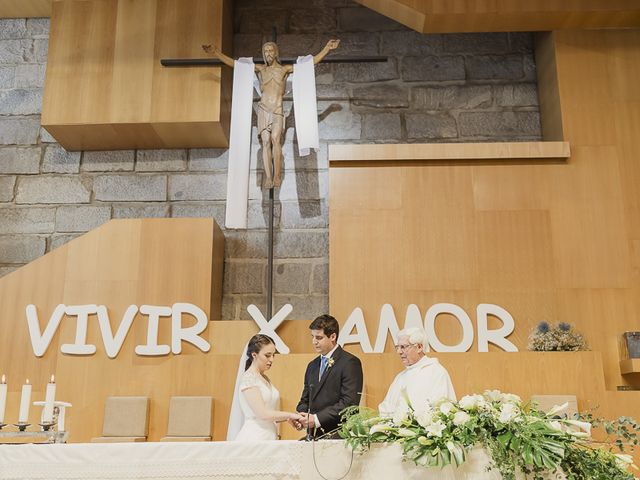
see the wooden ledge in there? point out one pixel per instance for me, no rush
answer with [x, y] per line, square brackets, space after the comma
[449, 152]
[630, 365]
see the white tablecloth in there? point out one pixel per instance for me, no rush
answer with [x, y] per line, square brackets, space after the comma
[218, 460]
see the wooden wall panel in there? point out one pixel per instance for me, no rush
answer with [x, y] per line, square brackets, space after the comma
[555, 241]
[121, 263]
[105, 88]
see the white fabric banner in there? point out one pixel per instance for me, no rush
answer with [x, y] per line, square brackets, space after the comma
[240, 144]
[305, 105]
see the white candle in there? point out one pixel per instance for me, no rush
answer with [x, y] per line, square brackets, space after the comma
[47, 415]
[3, 397]
[25, 400]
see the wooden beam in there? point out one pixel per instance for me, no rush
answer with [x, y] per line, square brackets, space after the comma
[449, 151]
[443, 16]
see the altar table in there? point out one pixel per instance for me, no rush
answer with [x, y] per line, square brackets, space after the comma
[223, 460]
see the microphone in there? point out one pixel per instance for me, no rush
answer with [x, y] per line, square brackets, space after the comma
[309, 437]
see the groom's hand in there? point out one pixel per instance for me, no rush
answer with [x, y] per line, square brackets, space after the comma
[295, 423]
[308, 420]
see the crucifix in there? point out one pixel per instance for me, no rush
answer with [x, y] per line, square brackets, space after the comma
[272, 72]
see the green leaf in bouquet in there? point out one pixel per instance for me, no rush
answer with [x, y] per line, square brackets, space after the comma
[505, 438]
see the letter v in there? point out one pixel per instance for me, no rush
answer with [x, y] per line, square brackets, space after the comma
[40, 341]
[113, 344]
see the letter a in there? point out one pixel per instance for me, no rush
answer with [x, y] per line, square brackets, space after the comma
[356, 320]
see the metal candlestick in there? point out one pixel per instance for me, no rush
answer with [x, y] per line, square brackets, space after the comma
[22, 426]
[46, 426]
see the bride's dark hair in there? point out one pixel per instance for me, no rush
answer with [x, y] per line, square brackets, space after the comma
[255, 345]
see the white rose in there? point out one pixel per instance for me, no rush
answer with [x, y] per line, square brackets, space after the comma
[511, 398]
[470, 402]
[460, 418]
[508, 412]
[493, 395]
[446, 408]
[425, 418]
[435, 429]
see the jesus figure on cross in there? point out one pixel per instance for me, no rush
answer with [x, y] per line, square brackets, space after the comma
[273, 77]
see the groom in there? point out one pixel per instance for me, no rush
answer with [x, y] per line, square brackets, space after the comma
[332, 382]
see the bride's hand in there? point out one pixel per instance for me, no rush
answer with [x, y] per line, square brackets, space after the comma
[295, 420]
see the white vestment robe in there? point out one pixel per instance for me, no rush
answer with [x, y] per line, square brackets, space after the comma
[424, 381]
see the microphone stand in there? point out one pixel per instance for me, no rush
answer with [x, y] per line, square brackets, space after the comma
[309, 437]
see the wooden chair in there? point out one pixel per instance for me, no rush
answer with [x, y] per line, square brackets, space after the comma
[126, 419]
[189, 419]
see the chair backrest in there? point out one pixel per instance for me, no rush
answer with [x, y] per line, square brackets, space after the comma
[126, 417]
[190, 416]
[547, 402]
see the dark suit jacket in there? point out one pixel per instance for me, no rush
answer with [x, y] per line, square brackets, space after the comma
[339, 387]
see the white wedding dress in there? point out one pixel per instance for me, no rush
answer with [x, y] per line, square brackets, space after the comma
[254, 429]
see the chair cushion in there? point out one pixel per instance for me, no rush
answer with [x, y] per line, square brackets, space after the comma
[190, 417]
[126, 417]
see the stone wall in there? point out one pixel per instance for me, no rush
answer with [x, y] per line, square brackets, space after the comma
[433, 88]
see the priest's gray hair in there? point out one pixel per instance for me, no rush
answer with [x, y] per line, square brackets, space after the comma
[416, 336]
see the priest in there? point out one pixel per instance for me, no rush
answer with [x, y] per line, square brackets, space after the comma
[423, 379]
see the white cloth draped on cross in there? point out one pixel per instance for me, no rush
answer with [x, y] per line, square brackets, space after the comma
[306, 123]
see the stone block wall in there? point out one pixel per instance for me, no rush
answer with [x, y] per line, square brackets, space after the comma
[433, 88]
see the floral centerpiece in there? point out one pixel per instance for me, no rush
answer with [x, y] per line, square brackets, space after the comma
[517, 436]
[558, 338]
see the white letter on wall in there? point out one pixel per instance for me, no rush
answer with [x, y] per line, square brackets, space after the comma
[152, 347]
[40, 342]
[80, 347]
[498, 336]
[189, 334]
[113, 344]
[269, 327]
[356, 319]
[389, 324]
[463, 318]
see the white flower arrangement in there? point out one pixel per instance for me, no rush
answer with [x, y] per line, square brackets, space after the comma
[519, 437]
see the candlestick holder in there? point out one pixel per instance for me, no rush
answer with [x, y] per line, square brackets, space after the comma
[46, 426]
[2, 425]
[22, 426]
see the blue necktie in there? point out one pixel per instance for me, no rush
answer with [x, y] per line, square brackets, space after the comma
[323, 365]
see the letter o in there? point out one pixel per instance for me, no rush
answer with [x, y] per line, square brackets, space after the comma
[463, 318]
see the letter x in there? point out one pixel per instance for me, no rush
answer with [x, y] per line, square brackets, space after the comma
[269, 328]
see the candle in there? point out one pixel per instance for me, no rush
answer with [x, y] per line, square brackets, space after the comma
[3, 397]
[25, 400]
[47, 415]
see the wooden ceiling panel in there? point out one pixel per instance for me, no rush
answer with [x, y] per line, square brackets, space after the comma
[25, 8]
[105, 88]
[446, 16]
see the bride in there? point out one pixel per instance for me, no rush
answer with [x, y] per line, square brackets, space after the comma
[256, 396]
